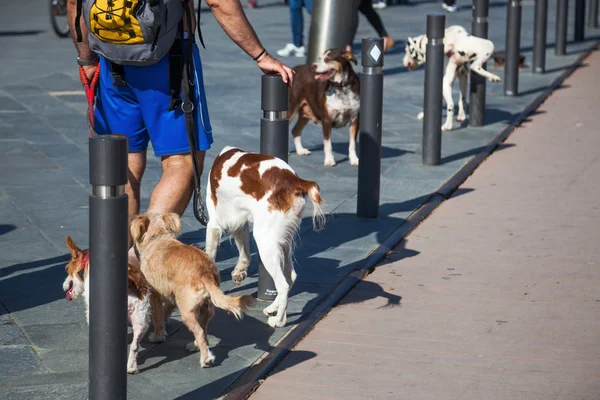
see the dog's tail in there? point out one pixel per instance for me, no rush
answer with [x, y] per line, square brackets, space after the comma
[237, 305]
[313, 191]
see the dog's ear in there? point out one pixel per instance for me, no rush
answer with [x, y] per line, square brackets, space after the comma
[172, 222]
[75, 251]
[349, 55]
[138, 227]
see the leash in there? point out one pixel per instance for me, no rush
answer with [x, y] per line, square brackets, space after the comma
[90, 93]
[188, 107]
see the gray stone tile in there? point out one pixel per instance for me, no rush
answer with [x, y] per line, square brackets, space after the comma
[9, 105]
[16, 361]
[65, 391]
[65, 360]
[10, 334]
[62, 336]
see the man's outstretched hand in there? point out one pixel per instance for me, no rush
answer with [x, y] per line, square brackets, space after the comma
[269, 64]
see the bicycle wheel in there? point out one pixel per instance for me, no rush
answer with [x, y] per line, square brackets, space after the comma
[58, 18]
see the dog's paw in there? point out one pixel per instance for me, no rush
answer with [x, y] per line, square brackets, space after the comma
[191, 347]
[238, 277]
[495, 79]
[207, 361]
[354, 160]
[329, 162]
[461, 118]
[157, 338]
[270, 311]
[447, 127]
[132, 369]
[275, 322]
[421, 115]
[303, 152]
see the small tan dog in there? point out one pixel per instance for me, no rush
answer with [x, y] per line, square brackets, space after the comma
[184, 276]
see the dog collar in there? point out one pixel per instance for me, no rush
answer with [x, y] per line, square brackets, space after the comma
[84, 261]
[137, 252]
[344, 83]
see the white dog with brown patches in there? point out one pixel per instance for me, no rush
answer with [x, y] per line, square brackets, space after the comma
[254, 188]
[139, 296]
[461, 49]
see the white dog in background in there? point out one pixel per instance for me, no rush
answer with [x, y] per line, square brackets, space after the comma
[461, 49]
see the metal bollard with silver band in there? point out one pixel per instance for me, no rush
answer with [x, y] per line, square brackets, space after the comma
[592, 17]
[478, 82]
[432, 103]
[369, 141]
[331, 26]
[513, 48]
[108, 237]
[579, 30]
[539, 36]
[562, 18]
[274, 136]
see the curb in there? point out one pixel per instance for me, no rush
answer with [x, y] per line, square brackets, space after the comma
[255, 375]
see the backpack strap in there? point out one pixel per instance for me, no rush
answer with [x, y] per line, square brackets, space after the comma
[118, 74]
[77, 21]
[175, 72]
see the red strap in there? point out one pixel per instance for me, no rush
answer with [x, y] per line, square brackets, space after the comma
[84, 261]
[90, 93]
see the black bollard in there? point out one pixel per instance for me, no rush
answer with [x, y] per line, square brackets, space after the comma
[369, 140]
[579, 21]
[434, 72]
[562, 15]
[593, 14]
[108, 268]
[274, 135]
[513, 47]
[539, 36]
[478, 82]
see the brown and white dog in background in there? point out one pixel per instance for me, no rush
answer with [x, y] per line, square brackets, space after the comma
[326, 92]
[139, 296]
[182, 275]
[255, 188]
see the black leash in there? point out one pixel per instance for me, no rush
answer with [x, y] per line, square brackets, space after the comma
[187, 84]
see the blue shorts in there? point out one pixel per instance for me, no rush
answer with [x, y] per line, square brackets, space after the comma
[139, 109]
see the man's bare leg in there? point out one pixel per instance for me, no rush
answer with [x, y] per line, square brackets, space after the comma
[137, 166]
[174, 189]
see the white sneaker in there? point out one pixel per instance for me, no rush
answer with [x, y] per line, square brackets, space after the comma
[379, 5]
[452, 8]
[290, 49]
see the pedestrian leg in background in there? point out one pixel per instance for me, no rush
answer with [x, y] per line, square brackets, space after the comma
[296, 48]
[366, 8]
[450, 5]
[379, 4]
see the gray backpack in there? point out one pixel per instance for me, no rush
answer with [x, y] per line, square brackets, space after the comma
[131, 32]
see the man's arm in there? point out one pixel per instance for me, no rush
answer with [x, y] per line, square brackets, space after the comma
[230, 15]
[82, 47]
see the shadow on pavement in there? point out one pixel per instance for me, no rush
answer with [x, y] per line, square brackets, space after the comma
[21, 33]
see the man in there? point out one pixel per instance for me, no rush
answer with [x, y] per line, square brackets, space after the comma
[128, 110]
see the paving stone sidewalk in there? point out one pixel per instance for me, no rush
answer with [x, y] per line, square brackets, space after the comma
[495, 296]
[44, 192]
